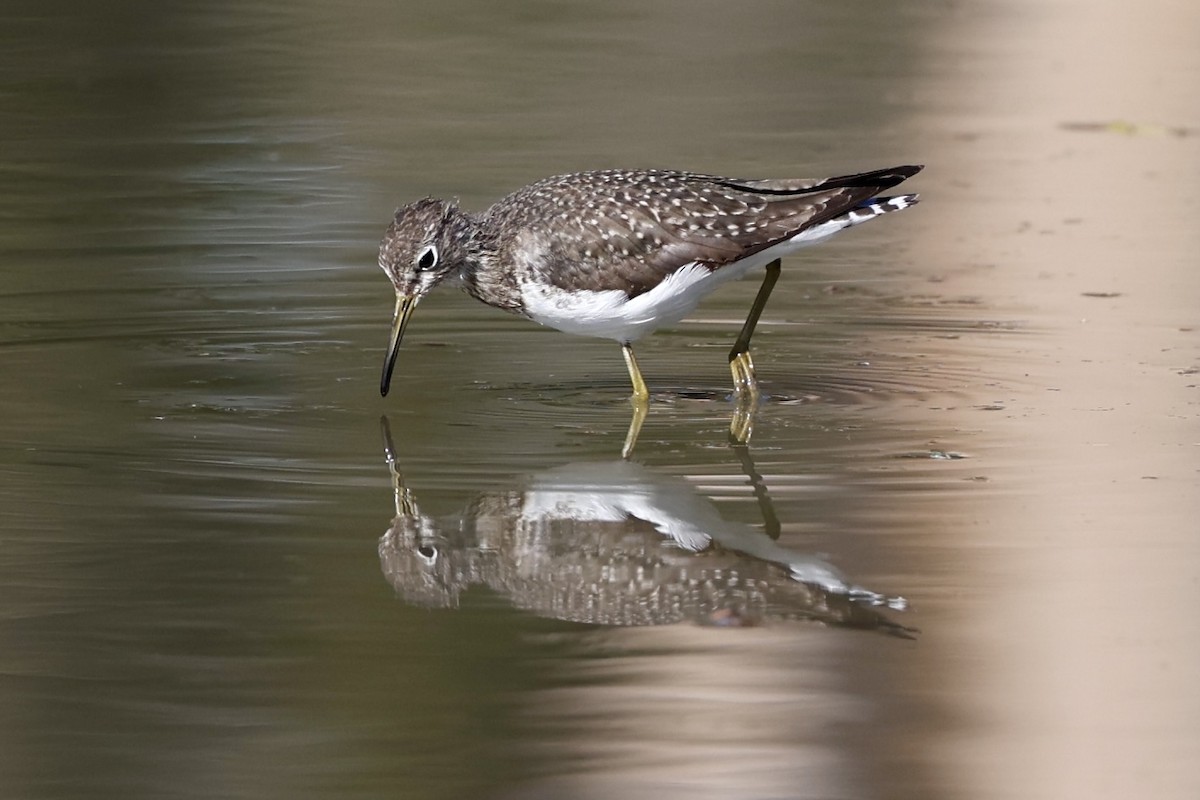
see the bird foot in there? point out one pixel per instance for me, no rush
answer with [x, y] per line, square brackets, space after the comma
[745, 383]
[747, 394]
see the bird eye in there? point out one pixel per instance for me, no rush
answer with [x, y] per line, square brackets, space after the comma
[428, 258]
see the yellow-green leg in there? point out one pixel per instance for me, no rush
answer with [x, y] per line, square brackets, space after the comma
[741, 425]
[640, 400]
[640, 393]
[741, 366]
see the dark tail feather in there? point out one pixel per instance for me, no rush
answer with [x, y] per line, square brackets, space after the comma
[879, 180]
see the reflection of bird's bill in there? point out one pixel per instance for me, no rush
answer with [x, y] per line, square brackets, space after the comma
[404, 308]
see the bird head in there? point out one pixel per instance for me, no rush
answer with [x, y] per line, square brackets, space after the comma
[419, 250]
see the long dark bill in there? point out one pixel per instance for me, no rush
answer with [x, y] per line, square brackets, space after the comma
[404, 308]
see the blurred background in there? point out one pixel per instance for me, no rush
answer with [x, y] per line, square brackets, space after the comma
[987, 405]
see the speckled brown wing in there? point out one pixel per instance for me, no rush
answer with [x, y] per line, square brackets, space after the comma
[629, 230]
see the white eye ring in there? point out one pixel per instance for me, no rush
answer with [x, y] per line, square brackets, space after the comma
[428, 258]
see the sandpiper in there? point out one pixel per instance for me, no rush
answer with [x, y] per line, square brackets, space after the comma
[618, 253]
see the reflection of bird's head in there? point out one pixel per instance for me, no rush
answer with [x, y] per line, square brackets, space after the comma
[417, 565]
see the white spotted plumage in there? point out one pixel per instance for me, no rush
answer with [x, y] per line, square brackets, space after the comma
[613, 314]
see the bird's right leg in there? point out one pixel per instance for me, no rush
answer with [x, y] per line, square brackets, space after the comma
[640, 393]
[640, 400]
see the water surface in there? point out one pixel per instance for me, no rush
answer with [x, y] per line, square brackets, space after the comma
[219, 581]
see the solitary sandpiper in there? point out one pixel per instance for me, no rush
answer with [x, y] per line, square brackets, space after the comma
[619, 253]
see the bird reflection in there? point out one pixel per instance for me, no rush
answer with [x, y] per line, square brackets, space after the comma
[615, 543]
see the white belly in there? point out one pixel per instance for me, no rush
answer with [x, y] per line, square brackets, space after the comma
[612, 314]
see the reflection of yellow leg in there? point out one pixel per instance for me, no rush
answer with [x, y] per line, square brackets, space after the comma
[770, 518]
[640, 407]
[640, 392]
[742, 424]
[747, 394]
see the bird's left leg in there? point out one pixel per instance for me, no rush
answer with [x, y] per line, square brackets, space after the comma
[741, 366]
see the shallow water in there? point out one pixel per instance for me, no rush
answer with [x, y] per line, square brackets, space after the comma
[959, 556]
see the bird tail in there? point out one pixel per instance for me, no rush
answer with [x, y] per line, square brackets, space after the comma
[869, 209]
